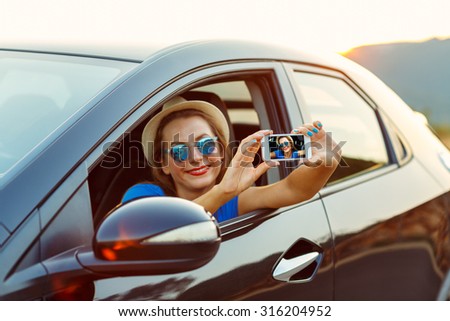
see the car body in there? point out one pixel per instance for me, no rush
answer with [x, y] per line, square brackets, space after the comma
[70, 147]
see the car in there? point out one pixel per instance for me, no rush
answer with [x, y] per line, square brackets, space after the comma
[71, 120]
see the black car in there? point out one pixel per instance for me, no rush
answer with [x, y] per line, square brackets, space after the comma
[70, 122]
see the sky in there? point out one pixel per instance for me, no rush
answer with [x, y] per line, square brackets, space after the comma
[326, 25]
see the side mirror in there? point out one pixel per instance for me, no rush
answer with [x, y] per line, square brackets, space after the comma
[155, 235]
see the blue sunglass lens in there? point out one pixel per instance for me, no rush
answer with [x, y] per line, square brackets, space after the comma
[180, 152]
[206, 146]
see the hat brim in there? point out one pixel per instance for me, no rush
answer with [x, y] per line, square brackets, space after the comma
[150, 130]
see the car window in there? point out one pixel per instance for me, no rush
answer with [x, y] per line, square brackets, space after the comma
[39, 92]
[400, 148]
[124, 165]
[349, 118]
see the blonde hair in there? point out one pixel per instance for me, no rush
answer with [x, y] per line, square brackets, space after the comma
[289, 138]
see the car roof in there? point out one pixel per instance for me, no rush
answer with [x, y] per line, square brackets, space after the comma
[234, 50]
[127, 53]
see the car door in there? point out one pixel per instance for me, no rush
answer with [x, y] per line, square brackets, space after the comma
[376, 197]
[283, 254]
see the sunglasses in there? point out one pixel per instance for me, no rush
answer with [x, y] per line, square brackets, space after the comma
[283, 144]
[180, 152]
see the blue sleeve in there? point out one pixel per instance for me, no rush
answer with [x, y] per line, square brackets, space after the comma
[142, 190]
[279, 154]
[227, 211]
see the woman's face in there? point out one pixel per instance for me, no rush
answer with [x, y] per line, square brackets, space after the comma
[198, 173]
[286, 147]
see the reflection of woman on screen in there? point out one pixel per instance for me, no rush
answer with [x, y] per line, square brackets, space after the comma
[286, 149]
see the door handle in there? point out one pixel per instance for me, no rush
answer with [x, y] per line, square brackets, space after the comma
[298, 264]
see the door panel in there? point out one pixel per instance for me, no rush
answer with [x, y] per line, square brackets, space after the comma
[243, 266]
[373, 261]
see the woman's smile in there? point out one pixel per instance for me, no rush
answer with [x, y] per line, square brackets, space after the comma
[198, 171]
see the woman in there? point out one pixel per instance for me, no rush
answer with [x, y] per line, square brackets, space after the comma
[186, 146]
[286, 149]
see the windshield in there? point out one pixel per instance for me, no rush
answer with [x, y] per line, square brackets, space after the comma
[40, 92]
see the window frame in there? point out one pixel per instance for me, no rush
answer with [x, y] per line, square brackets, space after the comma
[395, 135]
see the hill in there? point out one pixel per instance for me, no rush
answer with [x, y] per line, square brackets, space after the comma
[417, 72]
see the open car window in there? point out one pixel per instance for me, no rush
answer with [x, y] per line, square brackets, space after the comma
[123, 164]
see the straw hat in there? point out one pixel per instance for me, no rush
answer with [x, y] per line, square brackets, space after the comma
[177, 104]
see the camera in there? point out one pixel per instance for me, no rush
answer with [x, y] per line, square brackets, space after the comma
[284, 147]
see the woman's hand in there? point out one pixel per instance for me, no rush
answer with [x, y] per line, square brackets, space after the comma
[241, 174]
[303, 182]
[321, 144]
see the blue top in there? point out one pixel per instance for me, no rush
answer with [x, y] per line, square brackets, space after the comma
[225, 212]
[279, 154]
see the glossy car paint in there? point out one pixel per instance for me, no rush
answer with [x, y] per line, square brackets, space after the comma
[392, 245]
[244, 274]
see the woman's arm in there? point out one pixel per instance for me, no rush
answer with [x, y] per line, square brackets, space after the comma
[301, 184]
[213, 199]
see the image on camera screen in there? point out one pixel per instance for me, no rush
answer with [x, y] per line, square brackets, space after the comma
[286, 146]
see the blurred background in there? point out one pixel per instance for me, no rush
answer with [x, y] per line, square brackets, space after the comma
[418, 72]
[404, 42]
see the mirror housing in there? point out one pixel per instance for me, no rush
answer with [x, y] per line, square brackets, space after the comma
[153, 235]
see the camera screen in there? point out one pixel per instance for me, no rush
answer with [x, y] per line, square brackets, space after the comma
[286, 146]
